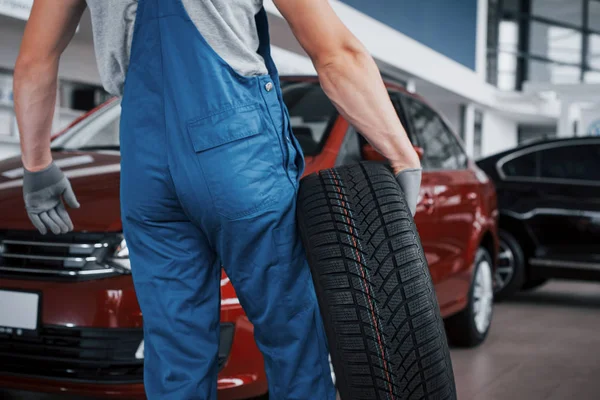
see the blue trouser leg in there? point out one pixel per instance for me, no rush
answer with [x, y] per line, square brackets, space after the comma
[177, 279]
[175, 271]
[268, 269]
[178, 291]
[176, 275]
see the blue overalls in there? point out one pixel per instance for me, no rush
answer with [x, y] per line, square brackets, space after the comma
[209, 177]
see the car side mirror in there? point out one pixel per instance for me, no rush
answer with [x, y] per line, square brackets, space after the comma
[370, 154]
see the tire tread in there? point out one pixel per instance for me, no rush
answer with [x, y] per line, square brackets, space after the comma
[384, 326]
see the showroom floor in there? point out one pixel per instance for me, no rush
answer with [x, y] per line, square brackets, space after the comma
[544, 345]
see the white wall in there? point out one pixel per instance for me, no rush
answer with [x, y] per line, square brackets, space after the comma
[589, 117]
[392, 47]
[290, 63]
[78, 62]
[8, 148]
[499, 133]
[451, 112]
[481, 44]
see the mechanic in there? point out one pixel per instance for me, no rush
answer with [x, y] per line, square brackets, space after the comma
[209, 170]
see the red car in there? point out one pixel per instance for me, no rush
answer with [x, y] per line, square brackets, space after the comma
[69, 318]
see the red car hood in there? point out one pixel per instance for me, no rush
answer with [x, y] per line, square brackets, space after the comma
[95, 180]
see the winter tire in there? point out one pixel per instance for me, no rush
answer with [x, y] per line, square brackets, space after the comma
[378, 303]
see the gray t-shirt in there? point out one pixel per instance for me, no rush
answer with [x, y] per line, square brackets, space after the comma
[227, 25]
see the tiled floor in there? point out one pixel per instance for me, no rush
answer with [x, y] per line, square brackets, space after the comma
[544, 345]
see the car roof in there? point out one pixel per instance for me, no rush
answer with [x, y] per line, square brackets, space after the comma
[114, 101]
[388, 84]
[536, 142]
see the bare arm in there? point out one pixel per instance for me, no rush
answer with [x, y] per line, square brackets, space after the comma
[48, 31]
[350, 78]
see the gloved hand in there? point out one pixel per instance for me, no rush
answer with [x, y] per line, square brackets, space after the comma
[42, 192]
[410, 182]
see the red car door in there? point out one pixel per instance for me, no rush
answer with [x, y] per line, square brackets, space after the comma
[451, 186]
[426, 217]
[456, 203]
[426, 220]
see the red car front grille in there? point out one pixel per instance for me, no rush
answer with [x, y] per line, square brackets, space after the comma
[84, 354]
[73, 256]
[79, 354]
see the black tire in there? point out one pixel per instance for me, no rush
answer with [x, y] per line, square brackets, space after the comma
[518, 276]
[533, 284]
[461, 328]
[378, 304]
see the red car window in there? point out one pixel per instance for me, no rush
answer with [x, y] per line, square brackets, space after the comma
[311, 114]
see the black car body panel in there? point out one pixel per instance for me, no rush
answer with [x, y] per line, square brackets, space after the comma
[549, 199]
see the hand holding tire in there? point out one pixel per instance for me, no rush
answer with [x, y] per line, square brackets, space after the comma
[410, 182]
[43, 192]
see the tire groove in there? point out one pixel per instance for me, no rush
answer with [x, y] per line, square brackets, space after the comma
[361, 325]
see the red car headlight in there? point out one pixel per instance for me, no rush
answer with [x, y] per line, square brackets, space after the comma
[120, 257]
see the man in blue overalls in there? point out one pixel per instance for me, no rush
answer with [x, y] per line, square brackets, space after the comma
[209, 171]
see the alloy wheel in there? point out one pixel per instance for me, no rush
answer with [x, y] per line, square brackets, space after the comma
[506, 267]
[331, 370]
[483, 296]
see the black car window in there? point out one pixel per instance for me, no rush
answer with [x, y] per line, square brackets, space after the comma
[312, 114]
[576, 162]
[441, 148]
[397, 102]
[523, 166]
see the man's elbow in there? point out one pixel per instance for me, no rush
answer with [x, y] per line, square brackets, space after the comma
[31, 68]
[347, 55]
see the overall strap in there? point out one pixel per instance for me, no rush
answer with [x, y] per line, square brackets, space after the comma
[172, 7]
[264, 48]
[146, 10]
[151, 9]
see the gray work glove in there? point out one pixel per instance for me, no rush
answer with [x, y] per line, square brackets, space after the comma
[410, 182]
[43, 192]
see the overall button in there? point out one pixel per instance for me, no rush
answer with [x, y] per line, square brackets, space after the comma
[269, 86]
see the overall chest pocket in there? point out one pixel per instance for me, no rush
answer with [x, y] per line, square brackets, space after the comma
[238, 155]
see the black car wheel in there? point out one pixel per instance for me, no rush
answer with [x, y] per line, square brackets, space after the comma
[470, 327]
[510, 271]
[378, 303]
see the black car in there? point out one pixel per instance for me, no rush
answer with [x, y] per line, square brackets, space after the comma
[549, 203]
